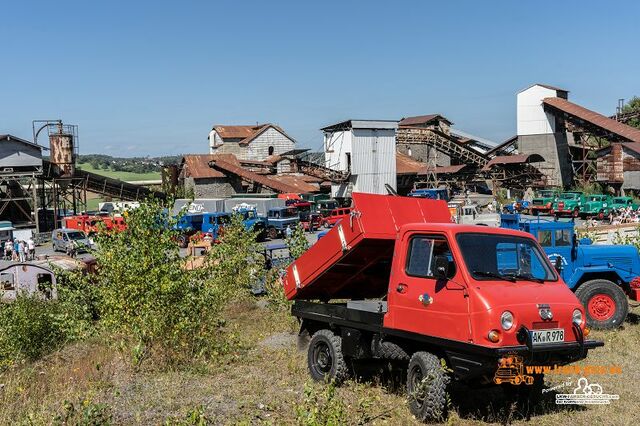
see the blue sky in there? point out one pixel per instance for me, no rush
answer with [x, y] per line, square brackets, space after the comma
[151, 78]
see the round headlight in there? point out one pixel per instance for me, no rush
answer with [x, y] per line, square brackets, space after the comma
[577, 317]
[506, 320]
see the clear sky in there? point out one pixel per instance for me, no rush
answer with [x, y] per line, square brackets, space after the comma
[151, 78]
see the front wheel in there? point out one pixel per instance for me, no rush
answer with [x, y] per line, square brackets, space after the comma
[325, 359]
[427, 387]
[272, 233]
[604, 302]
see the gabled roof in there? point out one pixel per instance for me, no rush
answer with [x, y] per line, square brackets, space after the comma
[9, 137]
[598, 120]
[546, 86]
[245, 133]
[423, 119]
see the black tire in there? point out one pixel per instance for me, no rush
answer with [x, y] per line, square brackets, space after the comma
[390, 351]
[272, 233]
[183, 241]
[604, 302]
[536, 212]
[325, 359]
[427, 383]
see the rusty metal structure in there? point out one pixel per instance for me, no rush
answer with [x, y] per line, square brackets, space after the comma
[591, 131]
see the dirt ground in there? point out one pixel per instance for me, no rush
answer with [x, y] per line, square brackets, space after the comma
[265, 381]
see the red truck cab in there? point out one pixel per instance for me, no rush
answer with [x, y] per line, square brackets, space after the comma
[336, 216]
[85, 223]
[423, 291]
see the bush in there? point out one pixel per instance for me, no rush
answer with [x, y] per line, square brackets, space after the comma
[320, 408]
[32, 327]
[298, 242]
[157, 306]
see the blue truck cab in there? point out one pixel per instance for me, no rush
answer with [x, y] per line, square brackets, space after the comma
[432, 194]
[279, 218]
[208, 223]
[253, 221]
[602, 276]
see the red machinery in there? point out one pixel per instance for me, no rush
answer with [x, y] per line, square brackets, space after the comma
[421, 291]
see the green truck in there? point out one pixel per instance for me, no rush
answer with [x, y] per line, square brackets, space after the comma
[595, 205]
[567, 204]
[618, 203]
[543, 203]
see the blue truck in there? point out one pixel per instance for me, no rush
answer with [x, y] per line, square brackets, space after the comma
[253, 221]
[208, 223]
[279, 218]
[432, 194]
[602, 276]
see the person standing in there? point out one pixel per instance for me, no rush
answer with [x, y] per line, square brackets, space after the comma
[288, 232]
[8, 248]
[21, 249]
[16, 243]
[31, 246]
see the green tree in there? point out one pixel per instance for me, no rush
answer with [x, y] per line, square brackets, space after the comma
[161, 310]
[297, 242]
[631, 106]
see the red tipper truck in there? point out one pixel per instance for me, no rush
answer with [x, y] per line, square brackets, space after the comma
[424, 292]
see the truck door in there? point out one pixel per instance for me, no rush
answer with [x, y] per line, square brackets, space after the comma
[563, 246]
[420, 303]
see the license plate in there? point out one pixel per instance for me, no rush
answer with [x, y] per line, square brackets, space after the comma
[542, 337]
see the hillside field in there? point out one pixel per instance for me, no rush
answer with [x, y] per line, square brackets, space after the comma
[126, 176]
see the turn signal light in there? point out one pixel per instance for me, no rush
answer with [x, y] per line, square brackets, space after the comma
[494, 336]
[586, 332]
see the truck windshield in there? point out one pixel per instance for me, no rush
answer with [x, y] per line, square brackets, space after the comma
[76, 235]
[504, 257]
[569, 196]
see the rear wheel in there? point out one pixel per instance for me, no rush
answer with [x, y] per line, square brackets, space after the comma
[325, 359]
[427, 387]
[605, 304]
[272, 233]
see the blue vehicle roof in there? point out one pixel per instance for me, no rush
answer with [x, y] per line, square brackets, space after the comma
[514, 221]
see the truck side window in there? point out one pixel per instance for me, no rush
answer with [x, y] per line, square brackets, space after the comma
[422, 252]
[563, 237]
[544, 238]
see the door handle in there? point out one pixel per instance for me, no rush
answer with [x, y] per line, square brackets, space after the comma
[401, 288]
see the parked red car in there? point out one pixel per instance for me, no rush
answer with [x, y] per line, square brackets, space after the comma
[337, 215]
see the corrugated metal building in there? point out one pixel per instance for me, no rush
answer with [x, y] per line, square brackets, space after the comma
[367, 150]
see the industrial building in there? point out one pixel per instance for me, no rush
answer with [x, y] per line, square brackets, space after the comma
[366, 151]
[37, 192]
[257, 142]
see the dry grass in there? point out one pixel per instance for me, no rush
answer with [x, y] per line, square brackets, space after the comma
[264, 380]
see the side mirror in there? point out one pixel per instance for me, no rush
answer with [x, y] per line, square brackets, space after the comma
[558, 264]
[441, 267]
